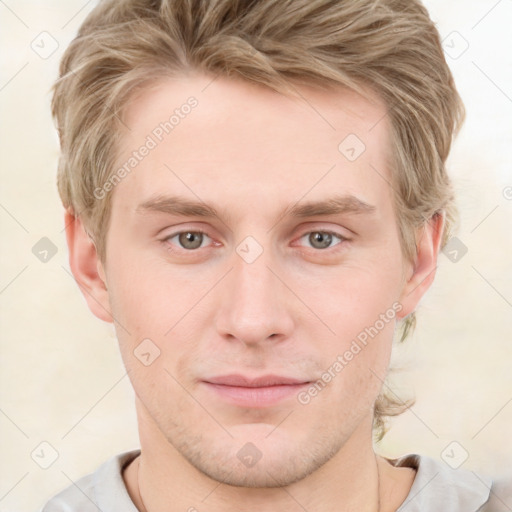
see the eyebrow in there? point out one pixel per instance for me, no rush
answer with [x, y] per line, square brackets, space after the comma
[180, 206]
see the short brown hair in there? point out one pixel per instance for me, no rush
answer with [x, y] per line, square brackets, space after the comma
[389, 46]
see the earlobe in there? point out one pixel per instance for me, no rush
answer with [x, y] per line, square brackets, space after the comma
[425, 264]
[87, 268]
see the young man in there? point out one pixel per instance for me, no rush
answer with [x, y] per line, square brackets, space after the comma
[256, 196]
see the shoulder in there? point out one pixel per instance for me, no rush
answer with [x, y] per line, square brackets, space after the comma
[437, 486]
[102, 489]
[500, 499]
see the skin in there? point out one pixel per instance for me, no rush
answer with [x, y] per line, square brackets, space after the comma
[251, 153]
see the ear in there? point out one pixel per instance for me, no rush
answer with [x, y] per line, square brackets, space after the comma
[422, 271]
[86, 267]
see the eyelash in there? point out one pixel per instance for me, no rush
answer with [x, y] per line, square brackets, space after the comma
[167, 239]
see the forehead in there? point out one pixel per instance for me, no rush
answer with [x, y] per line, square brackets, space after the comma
[247, 105]
[229, 139]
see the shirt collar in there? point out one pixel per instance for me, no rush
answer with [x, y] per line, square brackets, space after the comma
[435, 487]
[439, 487]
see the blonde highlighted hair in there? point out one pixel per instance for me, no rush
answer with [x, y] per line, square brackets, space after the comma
[388, 46]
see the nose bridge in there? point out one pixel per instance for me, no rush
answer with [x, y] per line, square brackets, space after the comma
[253, 307]
[253, 282]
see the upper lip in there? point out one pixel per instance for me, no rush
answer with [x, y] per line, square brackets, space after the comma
[257, 382]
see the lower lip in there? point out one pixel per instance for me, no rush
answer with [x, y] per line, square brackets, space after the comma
[256, 397]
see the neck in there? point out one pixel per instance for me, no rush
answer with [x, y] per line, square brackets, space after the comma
[353, 479]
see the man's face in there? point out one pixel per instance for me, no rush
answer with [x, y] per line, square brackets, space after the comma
[259, 290]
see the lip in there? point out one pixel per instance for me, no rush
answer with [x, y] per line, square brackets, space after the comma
[256, 382]
[263, 391]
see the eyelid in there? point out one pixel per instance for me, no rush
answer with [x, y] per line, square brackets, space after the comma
[324, 230]
[179, 232]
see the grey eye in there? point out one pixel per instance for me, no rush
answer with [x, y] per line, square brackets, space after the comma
[320, 239]
[190, 239]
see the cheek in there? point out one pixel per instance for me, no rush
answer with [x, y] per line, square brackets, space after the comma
[147, 300]
[157, 324]
[360, 307]
[357, 297]
[354, 372]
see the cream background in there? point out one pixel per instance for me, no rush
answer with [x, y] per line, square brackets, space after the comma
[62, 380]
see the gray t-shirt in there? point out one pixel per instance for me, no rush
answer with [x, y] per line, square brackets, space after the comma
[436, 488]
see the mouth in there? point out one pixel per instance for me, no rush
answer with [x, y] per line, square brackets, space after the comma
[263, 391]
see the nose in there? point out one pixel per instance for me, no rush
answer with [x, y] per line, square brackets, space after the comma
[255, 305]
